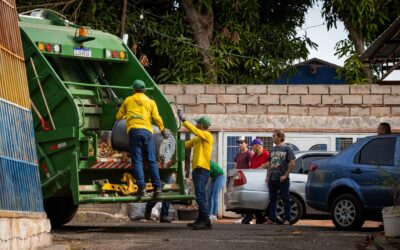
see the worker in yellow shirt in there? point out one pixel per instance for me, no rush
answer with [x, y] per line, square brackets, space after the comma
[202, 147]
[139, 112]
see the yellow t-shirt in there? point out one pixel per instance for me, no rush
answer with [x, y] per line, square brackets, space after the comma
[202, 146]
[139, 112]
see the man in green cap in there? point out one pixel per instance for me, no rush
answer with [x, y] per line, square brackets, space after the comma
[202, 148]
[140, 112]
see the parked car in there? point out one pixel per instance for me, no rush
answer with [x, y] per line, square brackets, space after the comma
[248, 191]
[350, 185]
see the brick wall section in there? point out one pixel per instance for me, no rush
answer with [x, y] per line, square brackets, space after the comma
[303, 100]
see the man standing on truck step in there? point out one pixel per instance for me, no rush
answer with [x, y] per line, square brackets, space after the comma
[139, 112]
[202, 148]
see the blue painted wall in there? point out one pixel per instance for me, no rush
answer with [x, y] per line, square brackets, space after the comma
[324, 75]
[20, 188]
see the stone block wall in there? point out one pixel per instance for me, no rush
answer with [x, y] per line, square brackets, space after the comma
[310, 107]
[24, 230]
[302, 100]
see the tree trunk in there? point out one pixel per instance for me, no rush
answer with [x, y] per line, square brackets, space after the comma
[123, 18]
[358, 42]
[202, 25]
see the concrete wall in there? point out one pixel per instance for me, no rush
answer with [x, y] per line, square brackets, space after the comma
[343, 108]
[24, 230]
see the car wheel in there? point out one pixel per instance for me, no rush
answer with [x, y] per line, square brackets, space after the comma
[347, 212]
[296, 211]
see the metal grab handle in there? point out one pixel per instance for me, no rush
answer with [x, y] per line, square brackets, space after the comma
[45, 125]
[356, 171]
[41, 91]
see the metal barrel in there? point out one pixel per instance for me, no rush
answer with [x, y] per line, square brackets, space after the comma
[19, 186]
[165, 148]
[17, 138]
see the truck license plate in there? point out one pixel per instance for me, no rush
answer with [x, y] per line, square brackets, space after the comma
[84, 52]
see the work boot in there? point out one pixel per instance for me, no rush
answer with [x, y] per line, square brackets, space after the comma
[202, 225]
[164, 219]
[147, 213]
[157, 193]
[143, 193]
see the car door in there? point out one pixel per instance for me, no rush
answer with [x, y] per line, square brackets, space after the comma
[371, 163]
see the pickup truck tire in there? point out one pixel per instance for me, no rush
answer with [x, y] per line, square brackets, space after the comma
[60, 210]
[296, 212]
[347, 212]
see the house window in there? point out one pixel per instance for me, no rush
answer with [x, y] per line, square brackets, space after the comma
[267, 142]
[232, 150]
[343, 142]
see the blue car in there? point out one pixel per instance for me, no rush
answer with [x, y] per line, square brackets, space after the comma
[352, 185]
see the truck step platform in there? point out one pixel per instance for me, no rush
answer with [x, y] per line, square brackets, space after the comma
[112, 163]
[83, 199]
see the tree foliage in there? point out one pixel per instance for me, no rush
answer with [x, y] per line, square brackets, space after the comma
[365, 21]
[251, 41]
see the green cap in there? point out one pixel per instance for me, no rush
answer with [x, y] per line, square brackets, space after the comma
[138, 84]
[204, 120]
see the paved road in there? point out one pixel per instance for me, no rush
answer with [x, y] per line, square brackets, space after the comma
[152, 235]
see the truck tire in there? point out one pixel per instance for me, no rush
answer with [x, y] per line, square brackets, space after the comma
[60, 210]
[347, 212]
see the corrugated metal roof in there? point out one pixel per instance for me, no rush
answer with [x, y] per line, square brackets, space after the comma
[385, 47]
[317, 61]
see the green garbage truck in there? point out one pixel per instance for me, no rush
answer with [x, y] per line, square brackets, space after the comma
[78, 78]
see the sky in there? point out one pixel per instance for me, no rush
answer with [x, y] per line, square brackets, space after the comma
[325, 39]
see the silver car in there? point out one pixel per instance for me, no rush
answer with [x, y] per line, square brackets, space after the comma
[248, 191]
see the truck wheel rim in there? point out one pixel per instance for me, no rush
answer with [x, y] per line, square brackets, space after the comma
[344, 213]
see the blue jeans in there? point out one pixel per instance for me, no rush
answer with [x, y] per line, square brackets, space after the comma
[283, 188]
[214, 188]
[164, 205]
[200, 178]
[141, 146]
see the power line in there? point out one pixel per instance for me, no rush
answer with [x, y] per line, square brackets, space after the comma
[312, 26]
[209, 49]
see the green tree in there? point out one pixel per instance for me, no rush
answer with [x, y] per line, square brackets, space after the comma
[200, 41]
[364, 21]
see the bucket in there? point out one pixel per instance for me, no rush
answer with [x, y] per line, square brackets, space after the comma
[391, 221]
[188, 214]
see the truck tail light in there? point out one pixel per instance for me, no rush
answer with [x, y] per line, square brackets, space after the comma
[114, 54]
[41, 46]
[239, 179]
[313, 167]
[57, 48]
[49, 47]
